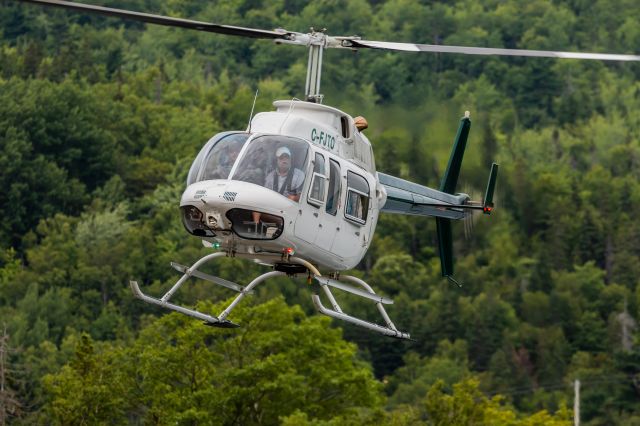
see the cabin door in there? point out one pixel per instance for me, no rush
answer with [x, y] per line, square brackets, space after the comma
[329, 214]
[312, 204]
[355, 224]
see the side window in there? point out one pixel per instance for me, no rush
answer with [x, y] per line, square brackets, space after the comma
[334, 187]
[317, 188]
[357, 205]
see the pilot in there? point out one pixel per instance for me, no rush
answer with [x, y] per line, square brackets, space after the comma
[227, 161]
[252, 168]
[285, 179]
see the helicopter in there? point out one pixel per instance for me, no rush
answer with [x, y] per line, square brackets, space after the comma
[298, 190]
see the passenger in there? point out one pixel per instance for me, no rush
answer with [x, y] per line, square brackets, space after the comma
[361, 123]
[285, 179]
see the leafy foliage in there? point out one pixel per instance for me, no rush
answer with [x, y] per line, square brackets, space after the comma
[179, 371]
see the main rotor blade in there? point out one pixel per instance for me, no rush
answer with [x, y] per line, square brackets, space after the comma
[166, 20]
[410, 47]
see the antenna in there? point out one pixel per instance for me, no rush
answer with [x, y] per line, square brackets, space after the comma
[252, 107]
[288, 114]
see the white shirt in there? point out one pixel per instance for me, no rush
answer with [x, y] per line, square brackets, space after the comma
[296, 182]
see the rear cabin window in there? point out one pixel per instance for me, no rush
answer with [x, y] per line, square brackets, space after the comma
[318, 182]
[357, 205]
[334, 187]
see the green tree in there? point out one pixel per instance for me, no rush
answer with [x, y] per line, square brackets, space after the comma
[486, 319]
[180, 371]
[409, 384]
[10, 406]
[467, 405]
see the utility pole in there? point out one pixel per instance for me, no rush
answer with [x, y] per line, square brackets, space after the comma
[576, 403]
[628, 326]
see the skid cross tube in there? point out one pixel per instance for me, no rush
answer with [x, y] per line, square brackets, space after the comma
[381, 309]
[207, 277]
[246, 290]
[188, 272]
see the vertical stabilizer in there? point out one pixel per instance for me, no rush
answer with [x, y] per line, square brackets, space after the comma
[445, 245]
[448, 185]
[450, 178]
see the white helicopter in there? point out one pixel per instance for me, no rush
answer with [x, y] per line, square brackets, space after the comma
[298, 191]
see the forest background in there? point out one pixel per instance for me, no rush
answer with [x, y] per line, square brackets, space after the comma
[100, 119]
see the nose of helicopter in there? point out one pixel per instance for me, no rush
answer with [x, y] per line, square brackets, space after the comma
[218, 206]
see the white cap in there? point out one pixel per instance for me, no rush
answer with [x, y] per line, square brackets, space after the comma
[283, 150]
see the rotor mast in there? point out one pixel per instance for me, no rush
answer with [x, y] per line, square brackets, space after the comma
[314, 73]
[317, 43]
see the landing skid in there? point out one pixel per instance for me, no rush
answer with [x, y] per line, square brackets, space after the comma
[322, 284]
[219, 321]
[325, 283]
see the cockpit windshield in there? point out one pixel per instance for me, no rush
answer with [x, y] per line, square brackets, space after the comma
[221, 154]
[275, 162]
